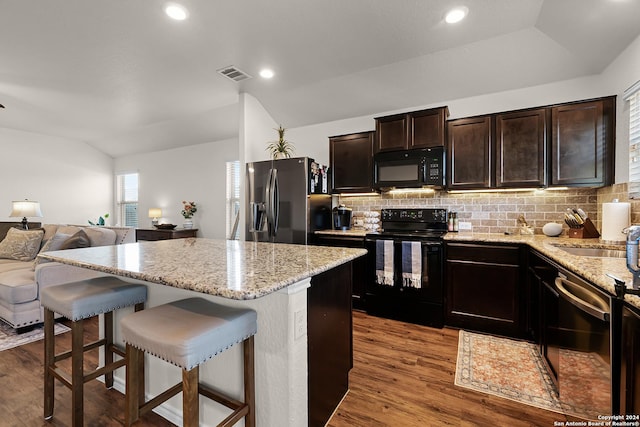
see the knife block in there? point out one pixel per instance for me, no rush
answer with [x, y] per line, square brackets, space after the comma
[587, 231]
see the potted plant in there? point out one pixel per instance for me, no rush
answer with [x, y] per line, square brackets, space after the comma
[280, 149]
[100, 221]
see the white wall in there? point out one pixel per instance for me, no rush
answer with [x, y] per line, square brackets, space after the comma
[621, 74]
[257, 129]
[195, 173]
[72, 181]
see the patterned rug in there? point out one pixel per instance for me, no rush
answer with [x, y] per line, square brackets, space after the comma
[514, 370]
[10, 339]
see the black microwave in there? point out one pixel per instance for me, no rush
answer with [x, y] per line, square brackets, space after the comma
[409, 169]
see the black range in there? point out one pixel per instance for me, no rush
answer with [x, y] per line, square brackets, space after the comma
[405, 266]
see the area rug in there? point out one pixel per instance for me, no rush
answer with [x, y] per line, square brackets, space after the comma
[10, 339]
[514, 370]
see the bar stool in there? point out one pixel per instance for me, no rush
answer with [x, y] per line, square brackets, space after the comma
[187, 333]
[78, 301]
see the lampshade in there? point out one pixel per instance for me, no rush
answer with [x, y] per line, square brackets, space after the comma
[155, 213]
[25, 208]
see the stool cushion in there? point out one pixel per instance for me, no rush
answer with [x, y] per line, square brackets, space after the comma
[88, 298]
[188, 332]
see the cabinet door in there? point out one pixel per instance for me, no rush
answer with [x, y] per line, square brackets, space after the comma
[582, 143]
[427, 128]
[392, 133]
[483, 288]
[630, 366]
[359, 264]
[469, 153]
[521, 148]
[351, 159]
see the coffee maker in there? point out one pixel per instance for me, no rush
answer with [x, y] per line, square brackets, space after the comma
[341, 218]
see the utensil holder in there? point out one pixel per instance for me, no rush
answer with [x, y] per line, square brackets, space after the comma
[587, 231]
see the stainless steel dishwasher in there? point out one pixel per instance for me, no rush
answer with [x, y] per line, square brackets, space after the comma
[584, 344]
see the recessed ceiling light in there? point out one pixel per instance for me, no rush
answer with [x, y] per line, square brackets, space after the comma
[266, 73]
[456, 15]
[176, 11]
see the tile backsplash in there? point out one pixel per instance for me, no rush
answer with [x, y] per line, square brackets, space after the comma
[498, 212]
[490, 212]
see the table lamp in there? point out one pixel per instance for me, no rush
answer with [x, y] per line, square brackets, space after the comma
[25, 208]
[154, 214]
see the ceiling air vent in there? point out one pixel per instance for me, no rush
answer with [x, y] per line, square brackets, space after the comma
[234, 73]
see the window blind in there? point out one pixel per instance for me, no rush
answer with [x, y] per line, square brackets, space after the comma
[233, 199]
[127, 199]
[632, 95]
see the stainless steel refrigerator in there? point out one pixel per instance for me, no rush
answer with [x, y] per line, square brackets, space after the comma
[280, 207]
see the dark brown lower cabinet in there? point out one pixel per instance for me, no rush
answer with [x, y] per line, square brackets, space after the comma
[359, 264]
[330, 341]
[630, 366]
[484, 287]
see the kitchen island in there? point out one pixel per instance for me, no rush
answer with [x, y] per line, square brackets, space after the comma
[274, 280]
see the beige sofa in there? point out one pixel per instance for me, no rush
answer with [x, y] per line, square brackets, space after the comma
[22, 280]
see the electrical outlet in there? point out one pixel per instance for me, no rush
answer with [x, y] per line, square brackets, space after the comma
[462, 225]
[299, 324]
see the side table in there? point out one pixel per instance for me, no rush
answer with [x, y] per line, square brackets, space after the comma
[157, 234]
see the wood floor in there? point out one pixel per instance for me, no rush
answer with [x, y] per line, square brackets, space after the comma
[402, 377]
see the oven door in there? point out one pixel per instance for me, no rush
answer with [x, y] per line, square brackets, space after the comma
[422, 305]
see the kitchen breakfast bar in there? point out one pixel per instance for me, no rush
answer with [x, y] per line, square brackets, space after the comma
[302, 295]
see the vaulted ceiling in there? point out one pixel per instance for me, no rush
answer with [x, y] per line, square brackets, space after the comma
[123, 77]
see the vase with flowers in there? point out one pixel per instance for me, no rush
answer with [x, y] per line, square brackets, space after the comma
[188, 210]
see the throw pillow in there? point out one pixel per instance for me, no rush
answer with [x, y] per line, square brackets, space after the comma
[78, 240]
[21, 245]
[53, 244]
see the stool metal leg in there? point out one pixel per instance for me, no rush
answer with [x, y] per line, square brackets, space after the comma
[249, 381]
[77, 372]
[49, 356]
[190, 398]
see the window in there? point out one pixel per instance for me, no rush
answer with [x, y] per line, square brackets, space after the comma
[127, 199]
[233, 199]
[633, 96]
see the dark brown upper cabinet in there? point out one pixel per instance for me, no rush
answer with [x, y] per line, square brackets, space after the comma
[406, 131]
[351, 162]
[521, 148]
[582, 143]
[569, 144]
[469, 153]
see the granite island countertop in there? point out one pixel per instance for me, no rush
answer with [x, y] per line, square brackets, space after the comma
[594, 269]
[228, 268]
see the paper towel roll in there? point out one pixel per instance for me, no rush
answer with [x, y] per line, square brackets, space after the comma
[615, 217]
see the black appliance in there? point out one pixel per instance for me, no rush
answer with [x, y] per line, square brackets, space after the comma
[342, 218]
[409, 168]
[404, 230]
[578, 344]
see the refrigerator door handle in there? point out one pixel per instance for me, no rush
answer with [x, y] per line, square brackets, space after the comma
[267, 198]
[272, 199]
[275, 201]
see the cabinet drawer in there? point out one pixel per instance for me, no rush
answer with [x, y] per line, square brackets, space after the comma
[483, 253]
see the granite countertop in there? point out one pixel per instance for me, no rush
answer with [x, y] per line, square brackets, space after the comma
[594, 269]
[228, 268]
[357, 232]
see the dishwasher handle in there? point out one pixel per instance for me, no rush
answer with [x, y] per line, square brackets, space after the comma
[581, 304]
